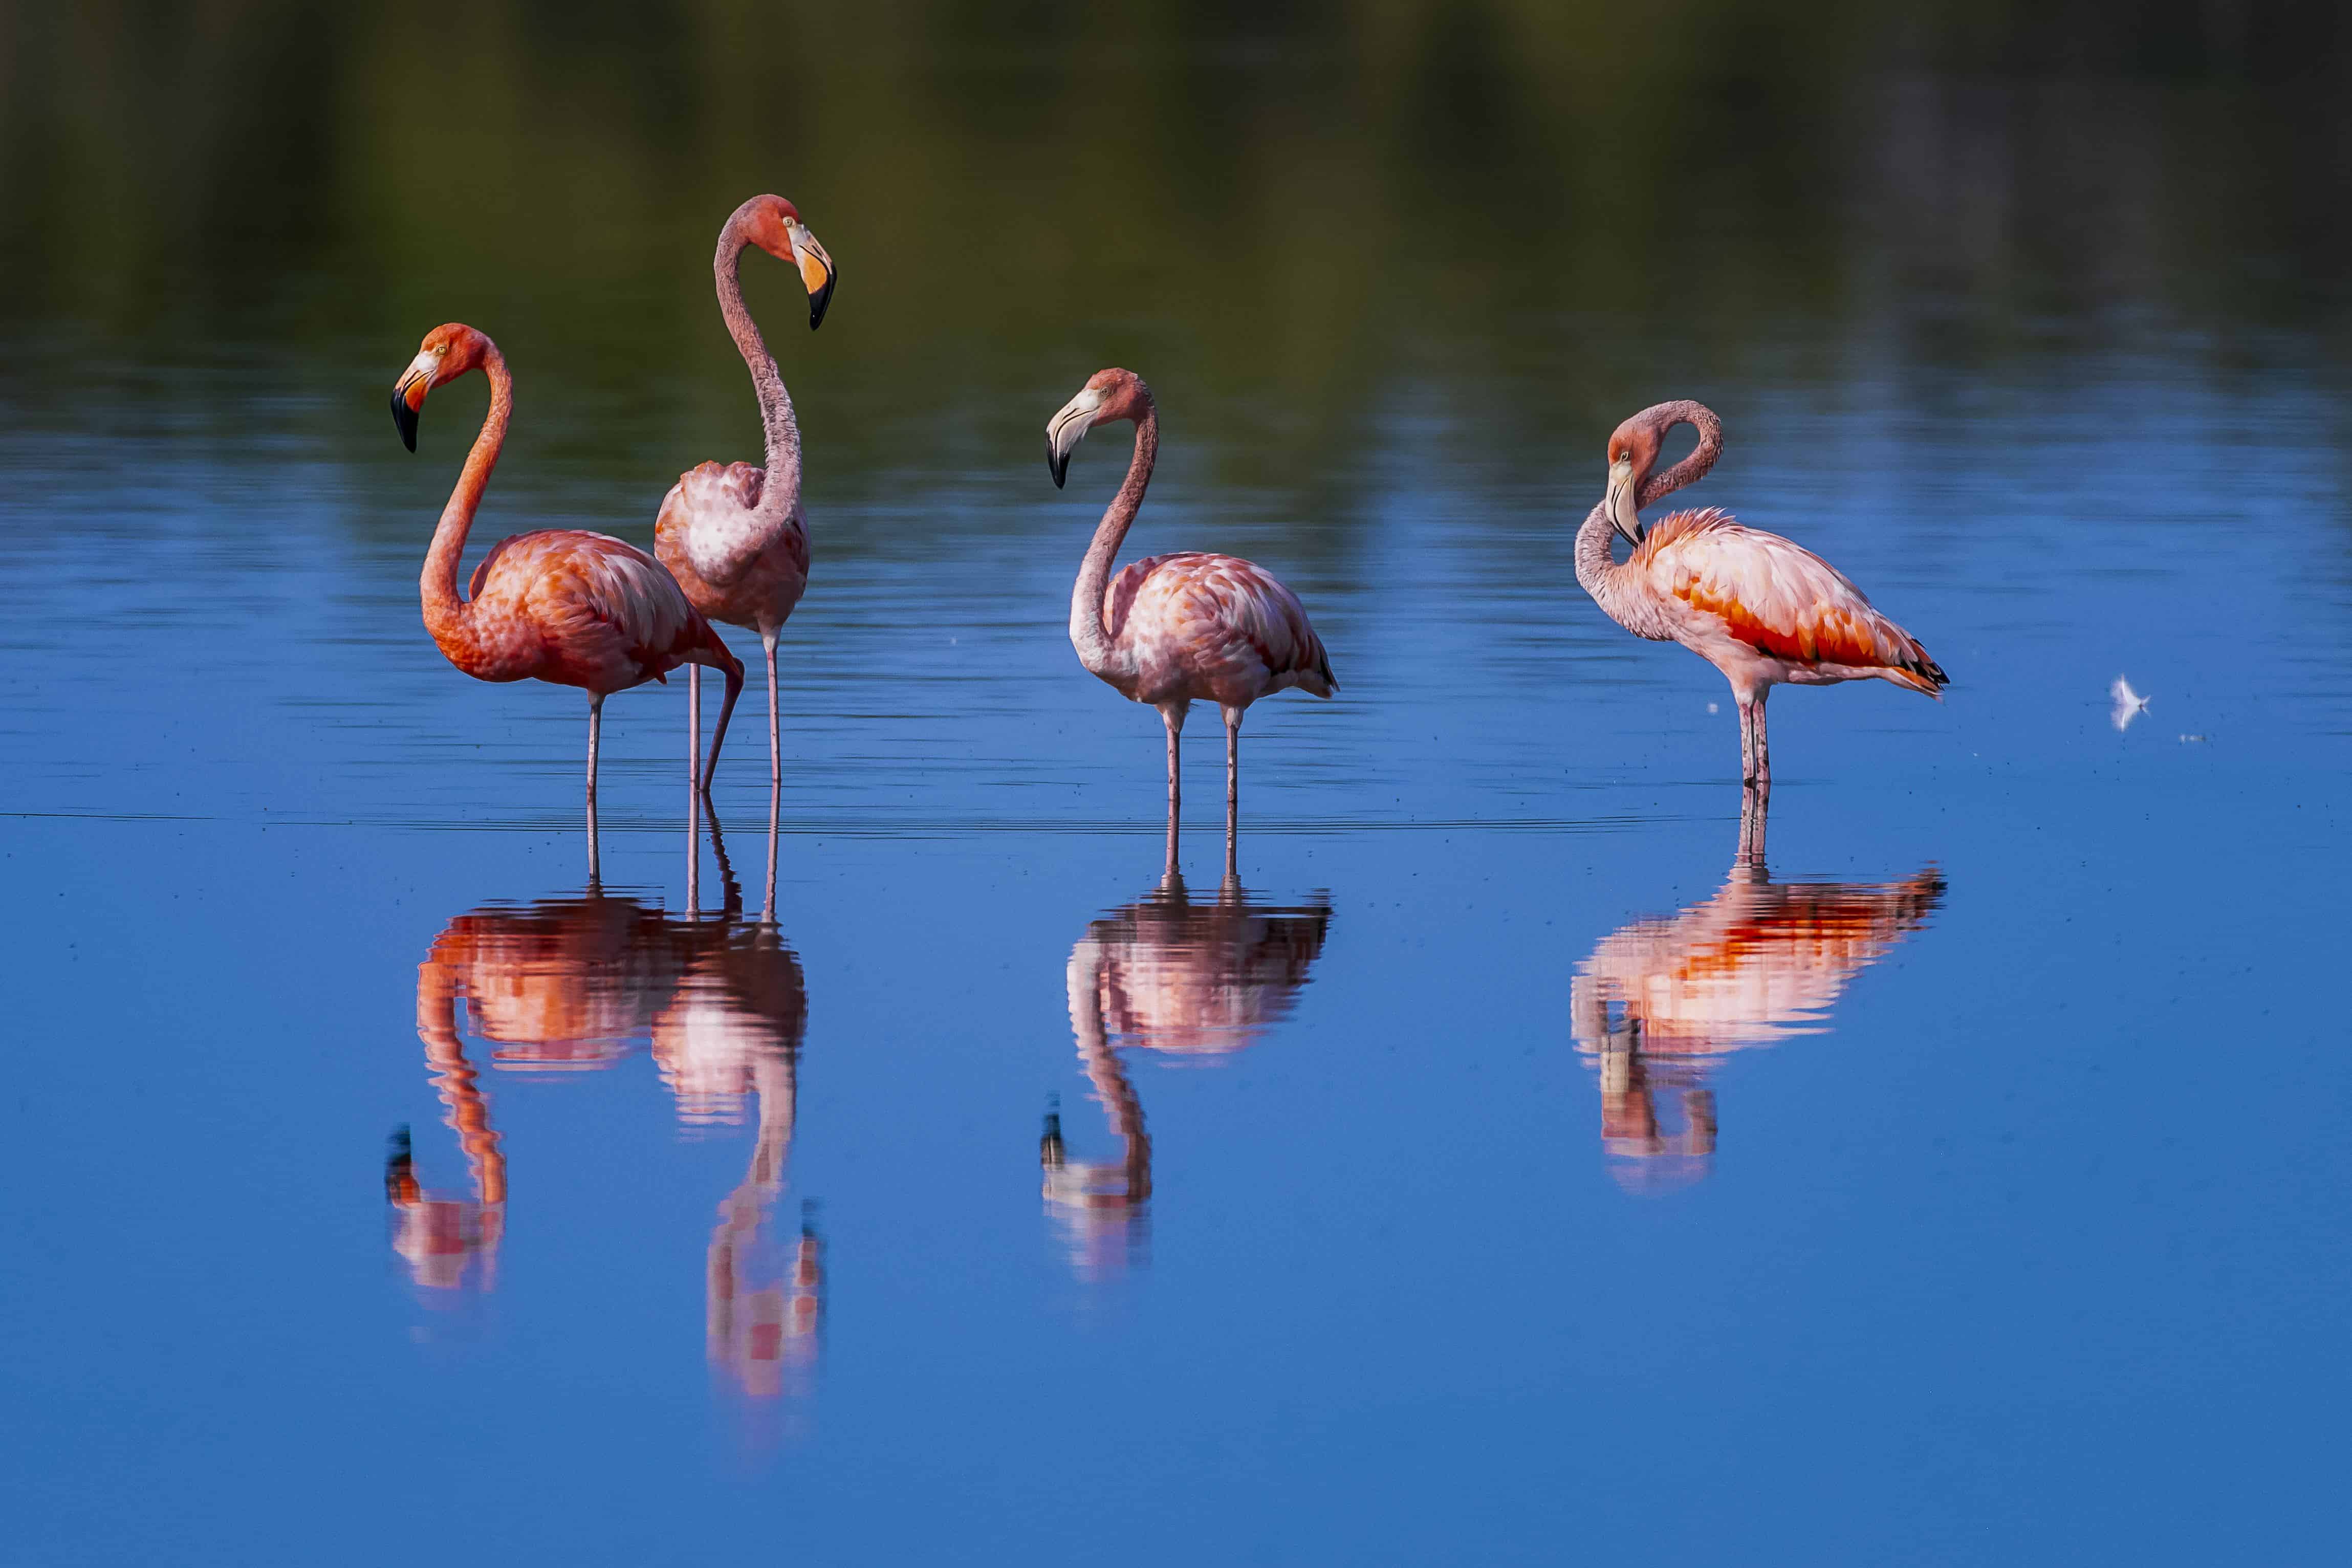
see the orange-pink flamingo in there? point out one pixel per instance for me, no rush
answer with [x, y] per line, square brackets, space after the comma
[1756, 606]
[1173, 629]
[558, 605]
[733, 535]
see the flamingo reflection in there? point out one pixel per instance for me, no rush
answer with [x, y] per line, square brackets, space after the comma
[578, 983]
[1165, 974]
[1660, 1001]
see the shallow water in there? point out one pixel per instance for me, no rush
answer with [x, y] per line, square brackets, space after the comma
[1500, 1165]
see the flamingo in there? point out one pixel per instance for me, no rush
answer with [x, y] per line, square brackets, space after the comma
[1659, 1002]
[731, 534]
[1756, 606]
[558, 605]
[1170, 629]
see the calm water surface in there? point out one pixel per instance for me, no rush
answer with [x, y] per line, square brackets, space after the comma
[1499, 1167]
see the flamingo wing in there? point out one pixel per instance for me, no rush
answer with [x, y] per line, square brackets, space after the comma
[1229, 621]
[1779, 598]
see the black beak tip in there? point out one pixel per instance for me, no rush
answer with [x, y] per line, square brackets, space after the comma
[1057, 463]
[820, 300]
[404, 419]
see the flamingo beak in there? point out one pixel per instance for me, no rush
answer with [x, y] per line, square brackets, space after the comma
[408, 396]
[817, 271]
[1067, 429]
[1623, 516]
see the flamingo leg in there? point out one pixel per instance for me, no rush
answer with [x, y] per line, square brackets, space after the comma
[1747, 705]
[693, 796]
[775, 720]
[1762, 771]
[1232, 784]
[1754, 806]
[775, 811]
[595, 724]
[719, 737]
[1173, 715]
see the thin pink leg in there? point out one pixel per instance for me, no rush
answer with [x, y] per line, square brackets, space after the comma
[693, 794]
[776, 719]
[595, 724]
[1232, 787]
[1173, 715]
[718, 736]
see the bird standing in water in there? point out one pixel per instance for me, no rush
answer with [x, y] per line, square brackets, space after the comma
[1758, 609]
[1171, 629]
[560, 605]
[733, 535]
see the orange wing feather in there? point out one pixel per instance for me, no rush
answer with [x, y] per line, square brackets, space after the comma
[1779, 597]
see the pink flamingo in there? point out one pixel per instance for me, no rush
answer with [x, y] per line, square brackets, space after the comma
[558, 605]
[731, 534]
[1756, 606]
[1173, 628]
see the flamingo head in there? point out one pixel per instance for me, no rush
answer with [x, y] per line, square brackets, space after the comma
[449, 351]
[774, 225]
[1107, 395]
[1632, 453]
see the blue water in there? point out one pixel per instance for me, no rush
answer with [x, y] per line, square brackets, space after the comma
[1498, 1170]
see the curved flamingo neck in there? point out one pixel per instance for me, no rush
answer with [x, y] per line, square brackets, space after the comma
[1087, 633]
[781, 495]
[446, 614]
[1692, 468]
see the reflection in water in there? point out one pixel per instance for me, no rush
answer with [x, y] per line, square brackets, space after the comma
[1163, 974]
[577, 983]
[1659, 1000]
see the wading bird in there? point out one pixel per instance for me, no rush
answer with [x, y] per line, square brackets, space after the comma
[1756, 606]
[558, 605]
[731, 534]
[1170, 629]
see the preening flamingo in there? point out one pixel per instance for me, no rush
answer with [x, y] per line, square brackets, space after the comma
[1661, 1001]
[560, 604]
[1756, 606]
[1171, 629]
[733, 535]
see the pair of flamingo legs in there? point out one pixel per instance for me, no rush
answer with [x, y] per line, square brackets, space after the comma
[697, 777]
[1171, 714]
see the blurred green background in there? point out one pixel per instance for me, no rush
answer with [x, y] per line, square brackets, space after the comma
[1285, 216]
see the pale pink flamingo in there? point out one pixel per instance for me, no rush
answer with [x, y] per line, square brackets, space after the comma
[733, 535]
[560, 605]
[1173, 629]
[1758, 609]
[1661, 1001]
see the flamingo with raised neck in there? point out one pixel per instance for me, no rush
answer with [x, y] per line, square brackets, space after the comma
[1761, 609]
[558, 605]
[732, 535]
[1170, 630]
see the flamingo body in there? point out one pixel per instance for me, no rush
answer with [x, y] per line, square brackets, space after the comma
[1194, 626]
[574, 609]
[1763, 610]
[731, 565]
[1744, 599]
